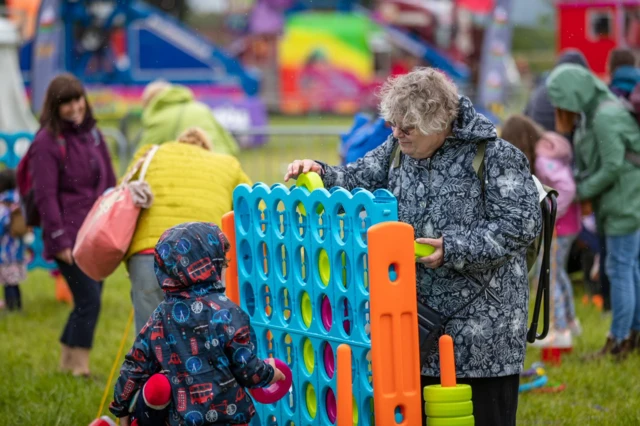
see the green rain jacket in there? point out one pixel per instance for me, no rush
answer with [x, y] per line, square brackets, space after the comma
[607, 131]
[173, 111]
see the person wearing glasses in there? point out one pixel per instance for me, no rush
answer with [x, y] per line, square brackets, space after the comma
[480, 230]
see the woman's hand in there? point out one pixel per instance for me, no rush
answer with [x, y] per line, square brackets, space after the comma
[277, 374]
[65, 256]
[437, 258]
[298, 167]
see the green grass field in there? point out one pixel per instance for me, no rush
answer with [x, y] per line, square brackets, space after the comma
[34, 393]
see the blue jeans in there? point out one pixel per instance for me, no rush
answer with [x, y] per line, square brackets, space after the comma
[564, 310]
[146, 293]
[623, 270]
[87, 296]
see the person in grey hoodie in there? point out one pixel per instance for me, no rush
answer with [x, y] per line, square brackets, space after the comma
[622, 68]
[539, 107]
[481, 230]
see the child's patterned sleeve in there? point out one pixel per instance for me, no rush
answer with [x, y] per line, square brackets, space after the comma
[139, 364]
[5, 220]
[240, 348]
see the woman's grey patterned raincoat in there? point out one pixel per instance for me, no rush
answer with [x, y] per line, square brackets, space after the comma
[486, 234]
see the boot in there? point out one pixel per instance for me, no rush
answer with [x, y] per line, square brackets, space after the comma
[606, 350]
[622, 350]
[66, 358]
[9, 297]
[12, 296]
[80, 358]
[18, 296]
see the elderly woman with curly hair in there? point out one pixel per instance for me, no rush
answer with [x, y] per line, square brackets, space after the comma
[480, 230]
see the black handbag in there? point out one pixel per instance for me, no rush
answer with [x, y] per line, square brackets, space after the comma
[432, 324]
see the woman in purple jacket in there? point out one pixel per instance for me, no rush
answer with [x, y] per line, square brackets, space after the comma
[71, 169]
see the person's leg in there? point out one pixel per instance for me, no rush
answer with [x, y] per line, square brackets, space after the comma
[621, 269]
[560, 322]
[14, 294]
[495, 399]
[146, 293]
[9, 297]
[605, 283]
[635, 325]
[564, 247]
[18, 296]
[80, 328]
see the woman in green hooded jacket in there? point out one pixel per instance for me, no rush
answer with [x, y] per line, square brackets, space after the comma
[607, 141]
[170, 109]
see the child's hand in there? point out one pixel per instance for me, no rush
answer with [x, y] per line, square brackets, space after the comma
[277, 374]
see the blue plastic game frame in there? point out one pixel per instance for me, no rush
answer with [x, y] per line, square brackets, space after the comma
[270, 230]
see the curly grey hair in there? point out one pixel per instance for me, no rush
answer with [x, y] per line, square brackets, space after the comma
[424, 99]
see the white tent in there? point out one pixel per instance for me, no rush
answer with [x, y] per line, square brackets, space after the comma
[15, 115]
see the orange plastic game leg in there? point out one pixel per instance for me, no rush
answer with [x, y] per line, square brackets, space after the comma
[447, 362]
[394, 325]
[231, 274]
[345, 383]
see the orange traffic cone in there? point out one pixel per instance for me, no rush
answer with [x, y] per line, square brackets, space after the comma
[63, 294]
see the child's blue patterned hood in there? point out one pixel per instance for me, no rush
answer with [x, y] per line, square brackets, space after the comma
[190, 257]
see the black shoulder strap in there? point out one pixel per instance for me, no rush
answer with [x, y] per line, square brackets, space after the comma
[478, 162]
[396, 155]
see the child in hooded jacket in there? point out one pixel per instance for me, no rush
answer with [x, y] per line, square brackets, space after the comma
[550, 156]
[198, 338]
[13, 262]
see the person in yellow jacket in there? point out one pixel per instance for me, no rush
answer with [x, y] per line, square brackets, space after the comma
[168, 110]
[189, 183]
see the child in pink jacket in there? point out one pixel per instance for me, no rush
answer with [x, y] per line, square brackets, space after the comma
[550, 156]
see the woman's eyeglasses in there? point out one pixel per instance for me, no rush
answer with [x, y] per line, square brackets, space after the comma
[406, 130]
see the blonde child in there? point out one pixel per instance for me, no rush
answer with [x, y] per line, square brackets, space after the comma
[550, 156]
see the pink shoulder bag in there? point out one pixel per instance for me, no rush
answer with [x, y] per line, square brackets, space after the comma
[106, 233]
